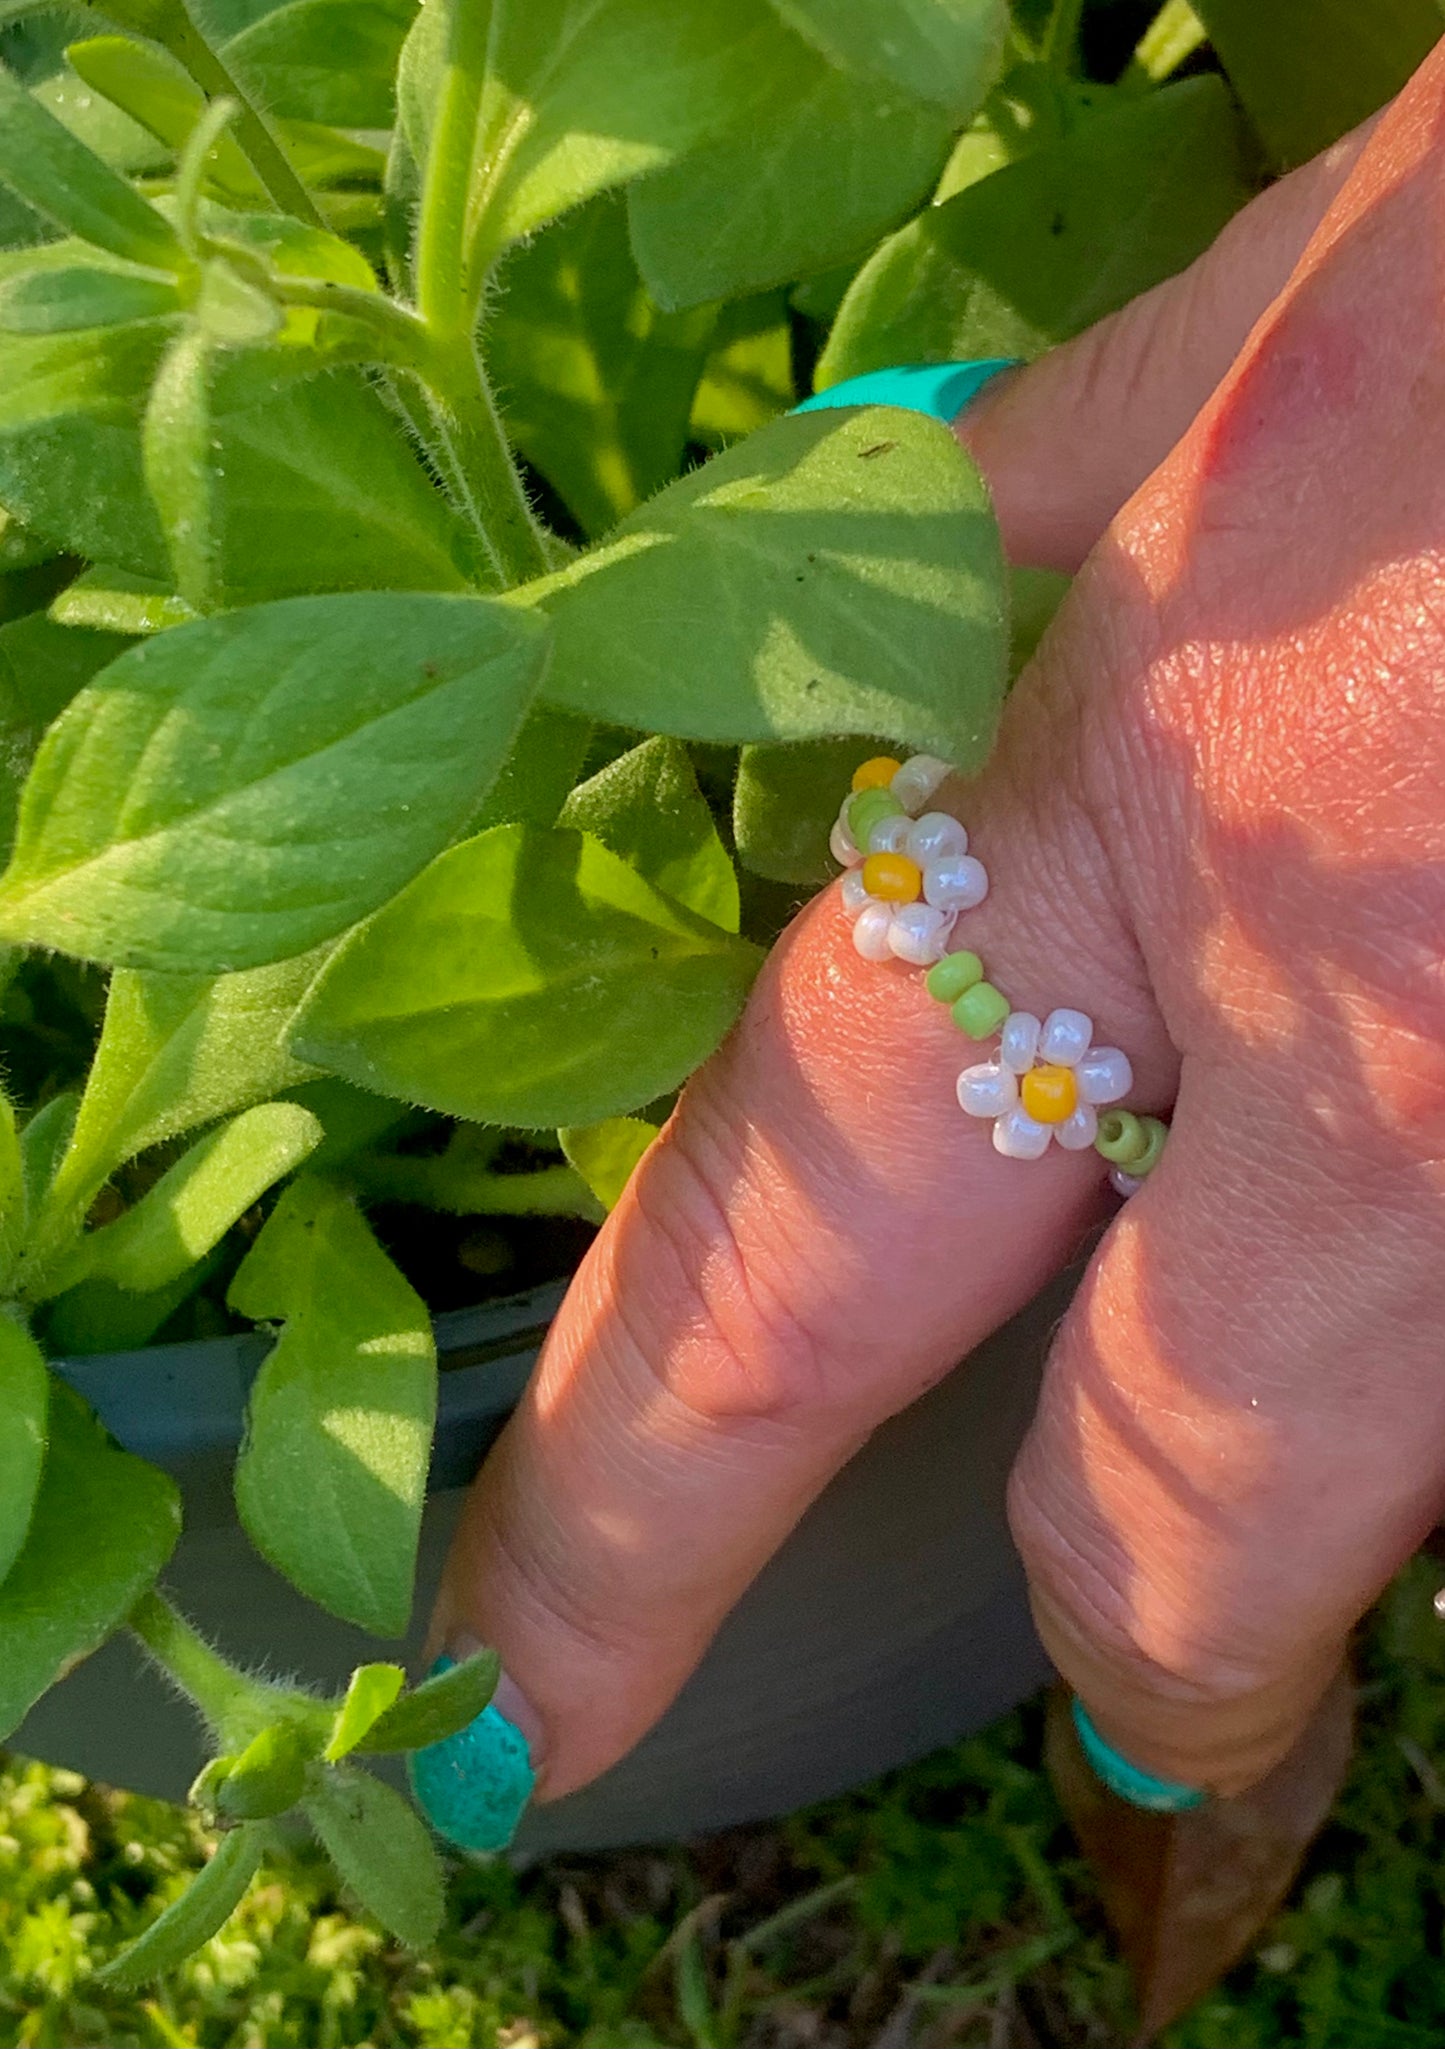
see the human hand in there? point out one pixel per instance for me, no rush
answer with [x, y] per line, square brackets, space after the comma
[1215, 822]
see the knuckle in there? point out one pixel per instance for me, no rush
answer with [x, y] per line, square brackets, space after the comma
[1101, 1613]
[733, 1348]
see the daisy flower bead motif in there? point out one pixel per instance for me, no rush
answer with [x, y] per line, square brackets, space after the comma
[910, 873]
[1047, 1085]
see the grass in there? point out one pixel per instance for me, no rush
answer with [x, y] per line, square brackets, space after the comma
[942, 1906]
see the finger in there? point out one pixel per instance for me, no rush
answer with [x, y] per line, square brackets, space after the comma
[1068, 440]
[819, 1236]
[1240, 1434]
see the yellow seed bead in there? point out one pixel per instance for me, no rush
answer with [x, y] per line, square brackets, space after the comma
[876, 774]
[892, 877]
[1050, 1094]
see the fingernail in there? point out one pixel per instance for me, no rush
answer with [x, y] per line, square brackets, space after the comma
[1129, 1781]
[474, 1786]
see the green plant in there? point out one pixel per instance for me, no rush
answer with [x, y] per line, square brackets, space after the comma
[371, 788]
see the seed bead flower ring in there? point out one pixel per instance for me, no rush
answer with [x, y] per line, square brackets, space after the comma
[910, 878]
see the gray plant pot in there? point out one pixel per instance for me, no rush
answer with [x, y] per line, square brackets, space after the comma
[892, 1621]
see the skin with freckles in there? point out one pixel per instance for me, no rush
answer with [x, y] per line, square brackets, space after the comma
[1215, 822]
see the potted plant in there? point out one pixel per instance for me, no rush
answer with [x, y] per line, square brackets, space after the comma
[377, 810]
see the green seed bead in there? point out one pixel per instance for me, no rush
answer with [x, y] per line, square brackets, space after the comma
[980, 1010]
[867, 808]
[947, 979]
[1133, 1143]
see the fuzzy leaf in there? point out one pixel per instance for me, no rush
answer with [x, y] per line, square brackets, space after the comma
[185, 813]
[42, 667]
[527, 978]
[382, 1851]
[583, 94]
[646, 806]
[24, 1403]
[159, 93]
[815, 172]
[439, 1707]
[332, 1477]
[839, 572]
[372, 1691]
[325, 60]
[784, 804]
[268, 1776]
[1039, 250]
[53, 171]
[193, 1205]
[208, 1902]
[747, 379]
[598, 382]
[103, 1526]
[943, 50]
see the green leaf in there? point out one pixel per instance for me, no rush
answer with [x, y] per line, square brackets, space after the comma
[24, 1402]
[819, 169]
[70, 405]
[268, 1776]
[536, 777]
[382, 1851]
[943, 50]
[12, 1185]
[598, 383]
[43, 1144]
[186, 812]
[96, 1316]
[784, 804]
[372, 1691]
[1034, 597]
[1308, 70]
[314, 485]
[176, 448]
[53, 171]
[605, 1154]
[439, 1707]
[838, 572]
[1041, 249]
[332, 1477]
[463, 1181]
[646, 806]
[527, 978]
[193, 1205]
[103, 1525]
[584, 94]
[43, 300]
[324, 60]
[42, 666]
[747, 379]
[157, 91]
[176, 1051]
[115, 601]
[208, 1902]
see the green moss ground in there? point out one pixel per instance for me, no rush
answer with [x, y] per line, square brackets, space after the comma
[943, 1905]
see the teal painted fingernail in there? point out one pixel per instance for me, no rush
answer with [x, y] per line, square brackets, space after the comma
[474, 1787]
[1139, 1788]
[941, 390]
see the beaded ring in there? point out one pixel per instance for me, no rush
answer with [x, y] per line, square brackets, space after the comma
[910, 878]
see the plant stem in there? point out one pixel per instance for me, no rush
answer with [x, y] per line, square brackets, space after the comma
[268, 159]
[477, 449]
[235, 1706]
[444, 289]
[1061, 46]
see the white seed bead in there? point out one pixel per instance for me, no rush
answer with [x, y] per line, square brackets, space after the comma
[1021, 1137]
[842, 848]
[1104, 1075]
[918, 781]
[1078, 1131]
[855, 896]
[870, 933]
[1019, 1041]
[934, 836]
[889, 835]
[920, 934]
[957, 883]
[1122, 1183]
[1065, 1038]
[987, 1090]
